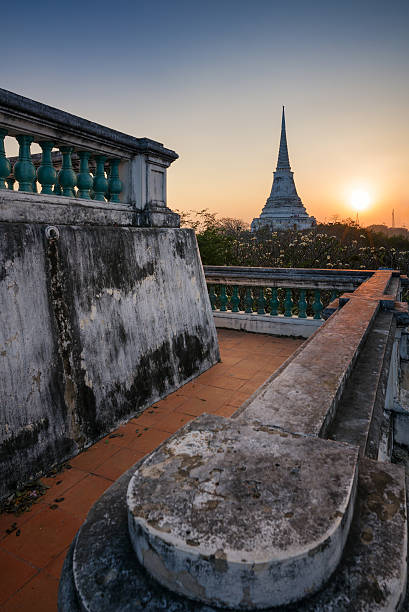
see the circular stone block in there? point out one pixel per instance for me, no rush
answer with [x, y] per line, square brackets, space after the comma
[242, 516]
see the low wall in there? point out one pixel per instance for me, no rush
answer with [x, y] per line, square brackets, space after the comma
[266, 324]
[98, 322]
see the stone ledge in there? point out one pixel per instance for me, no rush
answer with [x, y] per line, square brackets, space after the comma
[265, 324]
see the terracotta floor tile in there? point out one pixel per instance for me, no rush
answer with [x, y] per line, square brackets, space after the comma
[43, 537]
[91, 458]
[55, 566]
[245, 369]
[150, 439]
[238, 398]
[211, 398]
[171, 401]
[60, 483]
[14, 573]
[79, 499]
[38, 595]
[119, 463]
[7, 520]
[194, 407]
[173, 422]
[226, 410]
[124, 436]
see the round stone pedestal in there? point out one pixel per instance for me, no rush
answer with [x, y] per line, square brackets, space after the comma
[242, 516]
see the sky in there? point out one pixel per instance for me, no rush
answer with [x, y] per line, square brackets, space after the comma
[208, 79]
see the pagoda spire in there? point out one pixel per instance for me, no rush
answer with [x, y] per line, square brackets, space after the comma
[283, 163]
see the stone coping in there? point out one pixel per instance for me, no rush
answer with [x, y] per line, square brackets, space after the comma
[24, 207]
[242, 516]
[19, 114]
[303, 397]
[307, 278]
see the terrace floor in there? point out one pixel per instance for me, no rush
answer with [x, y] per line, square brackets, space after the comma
[32, 555]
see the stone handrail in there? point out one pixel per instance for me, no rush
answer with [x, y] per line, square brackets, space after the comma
[124, 168]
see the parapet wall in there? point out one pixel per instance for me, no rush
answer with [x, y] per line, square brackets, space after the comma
[98, 322]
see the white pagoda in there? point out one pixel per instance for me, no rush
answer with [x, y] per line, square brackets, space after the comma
[283, 209]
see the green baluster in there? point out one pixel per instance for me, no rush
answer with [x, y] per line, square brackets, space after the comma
[100, 182]
[10, 182]
[334, 295]
[46, 173]
[24, 171]
[248, 301]
[84, 179]
[35, 190]
[302, 305]
[235, 299]
[66, 176]
[288, 303]
[274, 302]
[223, 298]
[212, 297]
[261, 302]
[317, 304]
[57, 189]
[114, 183]
[5, 166]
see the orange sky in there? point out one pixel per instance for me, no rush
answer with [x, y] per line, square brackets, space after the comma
[209, 80]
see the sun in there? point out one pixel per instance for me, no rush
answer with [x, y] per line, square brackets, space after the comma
[359, 199]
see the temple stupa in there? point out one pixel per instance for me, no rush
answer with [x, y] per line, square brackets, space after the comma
[284, 208]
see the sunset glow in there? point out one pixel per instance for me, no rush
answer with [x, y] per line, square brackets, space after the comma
[360, 199]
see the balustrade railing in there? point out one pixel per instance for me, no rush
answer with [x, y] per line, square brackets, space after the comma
[273, 301]
[80, 158]
[299, 293]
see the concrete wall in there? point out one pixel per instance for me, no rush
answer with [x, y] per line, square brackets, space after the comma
[96, 325]
[265, 324]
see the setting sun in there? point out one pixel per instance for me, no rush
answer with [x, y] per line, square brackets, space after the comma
[360, 199]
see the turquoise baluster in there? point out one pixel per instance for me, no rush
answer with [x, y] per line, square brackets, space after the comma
[57, 188]
[235, 299]
[66, 176]
[274, 302]
[35, 190]
[5, 166]
[24, 171]
[334, 295]
[46, 173]
[84, 179]
[10, 182]
[223, 298]
[212, 297]
[261, 302]
[100, 182]
[248, 301]
[302, 305]
[317, 305]
[114, 183]
[288, 303]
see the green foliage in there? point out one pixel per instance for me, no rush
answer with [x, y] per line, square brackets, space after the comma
[341, 244]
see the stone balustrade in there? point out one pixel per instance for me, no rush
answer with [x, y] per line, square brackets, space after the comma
[83, 160]
[280, 301]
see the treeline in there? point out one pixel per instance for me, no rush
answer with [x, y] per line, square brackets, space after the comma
[341, 244]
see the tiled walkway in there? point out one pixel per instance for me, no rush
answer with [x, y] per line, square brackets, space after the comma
[31, 557]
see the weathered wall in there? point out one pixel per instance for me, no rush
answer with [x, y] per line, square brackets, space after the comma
[96, 325]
